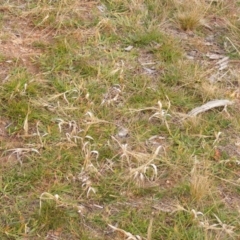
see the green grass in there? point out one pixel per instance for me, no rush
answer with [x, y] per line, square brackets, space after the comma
[65, 168]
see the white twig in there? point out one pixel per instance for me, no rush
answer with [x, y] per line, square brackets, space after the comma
[209, 105]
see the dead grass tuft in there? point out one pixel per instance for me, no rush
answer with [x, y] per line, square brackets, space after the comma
[190, 13]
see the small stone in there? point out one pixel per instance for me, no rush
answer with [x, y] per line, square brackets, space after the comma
[122, 133]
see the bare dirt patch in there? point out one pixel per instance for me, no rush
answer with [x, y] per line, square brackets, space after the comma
[17, 41]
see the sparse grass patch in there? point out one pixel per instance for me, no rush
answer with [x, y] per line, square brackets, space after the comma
[143, 38]
[96, 137]
[65, 56]
[58, 14]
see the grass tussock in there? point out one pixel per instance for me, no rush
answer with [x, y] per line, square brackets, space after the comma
[96, 139]
[190, 14]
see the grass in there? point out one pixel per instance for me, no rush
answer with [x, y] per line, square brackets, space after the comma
[95, 138]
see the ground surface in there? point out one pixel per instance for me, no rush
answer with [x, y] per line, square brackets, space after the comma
[96, 137]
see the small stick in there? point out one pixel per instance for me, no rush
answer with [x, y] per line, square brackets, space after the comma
[209, 105]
